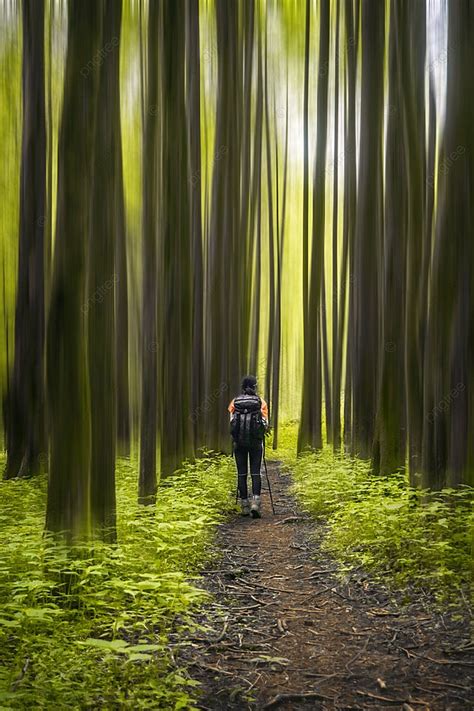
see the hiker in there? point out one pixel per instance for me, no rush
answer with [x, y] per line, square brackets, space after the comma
[248, 425]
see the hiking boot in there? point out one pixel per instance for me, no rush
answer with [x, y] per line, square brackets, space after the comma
[245, 507]
[255, 508]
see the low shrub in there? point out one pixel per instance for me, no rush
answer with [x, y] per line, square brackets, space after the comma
[101, 640]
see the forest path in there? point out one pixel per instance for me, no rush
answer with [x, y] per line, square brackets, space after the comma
[282, 626]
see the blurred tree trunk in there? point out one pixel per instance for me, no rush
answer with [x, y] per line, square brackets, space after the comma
[255, 230]
[193, 66]
[278, 319]
[390, 436]
[247, 196]
[107, 221]
[175, 255]
[305, 265]
[271, 245]
[48, 233]
[350, 188]
[448, 405]
[121, 283]
[68, 508]
[336, 343]
[414, 55]
[368, 232]
[309, 434]
[25, 425]
[226, 257]
[325, 361]
[151, 191]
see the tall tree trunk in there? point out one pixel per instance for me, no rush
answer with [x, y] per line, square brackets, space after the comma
[368, 234]
[390, 437]
[325, 357]
[309, 434]
[226, 259]
[448, 405]
[194, 139]
[246, 198]
[26, 438]
[278, 319]
[107, 215]
[305, 265]
[255, 230]
[151, 186]
[350, 187]
[414, 100]
[336, 343]
[271, 245]
[121, 285]
[68, 508]
[175, 274]
[48, 233]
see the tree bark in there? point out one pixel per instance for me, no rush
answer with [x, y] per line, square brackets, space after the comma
[151, 193]
[175, 253]
[368, 233]
[309, 434]
[107, 221]
[25, 425]
[68, 507]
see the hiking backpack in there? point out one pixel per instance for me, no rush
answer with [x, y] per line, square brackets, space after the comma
[246, 426]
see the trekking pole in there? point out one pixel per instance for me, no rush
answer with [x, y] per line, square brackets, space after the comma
[268, 478]
[237, 489]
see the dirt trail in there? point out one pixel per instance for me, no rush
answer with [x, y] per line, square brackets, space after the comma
[286, 633]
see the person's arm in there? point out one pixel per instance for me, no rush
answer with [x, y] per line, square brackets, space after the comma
[264, 411]
[231, 408]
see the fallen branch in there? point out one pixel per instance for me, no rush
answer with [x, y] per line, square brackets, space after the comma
[281, 698]
[267, 587]
[436, 661]
[388, 700]
[290, 519]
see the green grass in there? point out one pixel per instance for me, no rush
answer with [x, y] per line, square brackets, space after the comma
[102, 644]
[404, 536]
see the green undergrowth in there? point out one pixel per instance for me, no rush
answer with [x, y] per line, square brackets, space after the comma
[87, 629]
[412, 539]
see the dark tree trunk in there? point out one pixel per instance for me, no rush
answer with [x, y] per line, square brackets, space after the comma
[414, 55]
[175, 255]
[305, 264]
[25, 425]
[121, 287]
[325, 363]
[107, 221]
[336, 343]
[247, 199]
[309, 434]
[368, 233]
[278, 319]
[448, 405]
[271, 246]
[194, 139]
[255, 231]
[350, 186]
[390, 437]
[151, 189]
[226, 258]
[68, 508]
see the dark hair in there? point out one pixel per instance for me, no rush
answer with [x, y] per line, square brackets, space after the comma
[249, 384]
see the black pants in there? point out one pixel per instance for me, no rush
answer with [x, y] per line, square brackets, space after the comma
[242, 457]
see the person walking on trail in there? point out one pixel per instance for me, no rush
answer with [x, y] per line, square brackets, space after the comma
[248, 425]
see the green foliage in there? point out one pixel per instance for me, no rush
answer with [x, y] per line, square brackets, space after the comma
[87, 628]
[405, 536]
